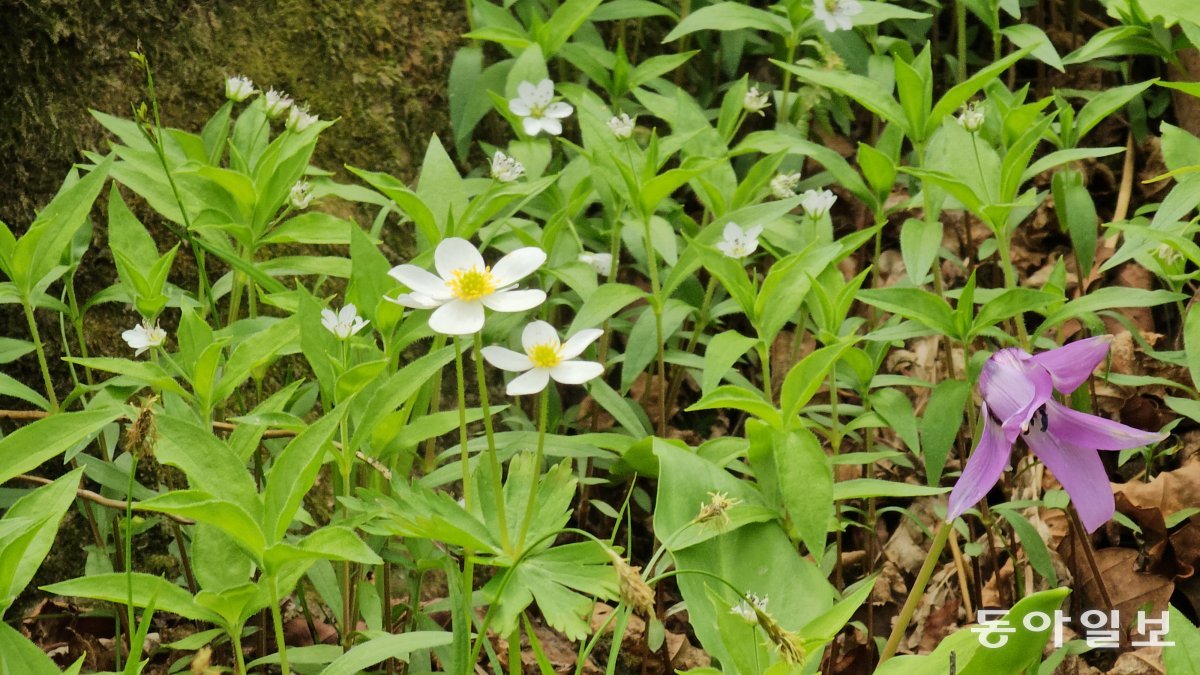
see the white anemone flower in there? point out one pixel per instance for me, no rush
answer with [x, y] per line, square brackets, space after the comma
[300, 195]
[837, 14]
[344, 323]
[756, 101]
[238, 88]
[621, 126]
[300, 119]
[739, 243]
[506, 169]
[464, 285]
[538, 110]
[276, 103]
[545, 359]
[144, 336]
[783, 186]
[745, 608]
[816, 203]
[601, 262]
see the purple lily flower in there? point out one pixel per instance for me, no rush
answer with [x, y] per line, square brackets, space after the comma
[1017, 389]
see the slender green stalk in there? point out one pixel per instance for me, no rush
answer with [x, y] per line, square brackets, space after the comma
[697, 331]
[656, 307]
[278, 619]
[530, 505]
[917, 592]
[235, 642]
[514, 651]
[960, 35]
[41, 355]
[493, 458]
[129, 548]
[785, 112]
[464, 456]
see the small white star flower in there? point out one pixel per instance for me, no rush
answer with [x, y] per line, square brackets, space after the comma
[545, 359]
[621, 126]
[506, 169]
[783, 186]
[238, 88]
[745, 609]
[538, 110]
[601, 262]
[837, 14]
[301, 195]
[739, 243]
[276, 103]
[344, 323]
[300, 119]
[464, 285]
[144, 336]
[756, 101]
[972, 117]
[817, 203]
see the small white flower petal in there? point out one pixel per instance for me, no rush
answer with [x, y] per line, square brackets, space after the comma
[551, 126]
[530, 382]
[527, 91]
[532, 125]
[520, 106]
[457, 318]
[544, 92]
[514, 301]
[732, 231]
[328, 318]
[415, 301]
[455, 253]
[558, 109]
[578, 342]
[538, 333]
[576, 372]
[517, 265]
[506, 359]
[421, 282]
[348, 313]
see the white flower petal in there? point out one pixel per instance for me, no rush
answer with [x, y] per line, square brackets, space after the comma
[538, 333]
[544, 92]
[457, 318]
[527, 91]
[517, 265]
[558, 109]
[415, 301]
[732, 231]
[531, 382]
[348, 313]
[753, 232]
[420, 281]
[532, 125]
[519, 106]
[506, 359]
[551, 126]
[513, 301]
[576, 372]
[578, 342]
[455, 253]
[328, 319]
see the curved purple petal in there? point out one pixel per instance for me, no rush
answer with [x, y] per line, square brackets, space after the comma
[1091, 431]
[1071, 365]
[1014, 387]
[1081, 473]
[983, 468]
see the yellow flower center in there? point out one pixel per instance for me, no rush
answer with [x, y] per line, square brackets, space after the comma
[545, 355]
[472, 284]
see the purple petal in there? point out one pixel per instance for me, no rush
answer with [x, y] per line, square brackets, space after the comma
[1081, 473]
[1091, 431]
[1071, 365]
[1014, 388]
[983, 468]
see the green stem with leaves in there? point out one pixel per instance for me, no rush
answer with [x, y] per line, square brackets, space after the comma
[656, 305]
[41, 355]
[277, 617]
[531, 504]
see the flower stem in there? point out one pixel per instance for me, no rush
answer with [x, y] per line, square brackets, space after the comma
[41, 355]
[656, 306]
[493, 458]
[918, 590]
[464, 456]
[278, 619]
[129, 547]
[543, 406]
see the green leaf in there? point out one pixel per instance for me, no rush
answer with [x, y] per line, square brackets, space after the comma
[728, 16]
[22, 552]
[31, 445]
[398, 389]
[1108, 298]
[293, 473]
[618, 406]
[1191, 343]
[806, 484]
[806, 377]
[960, 93]
[1034, 38]
[379, 649]
[1013, 302]
[1184, 657]
[19, 655]
[913, 303]
[862, 488]
[723, 351]
[209, 464]
[608, 299]
[865, 90]
[567, 19]
[147, 588]
[1035, 547]
[739, 398]
[941, 425]
[920, 240]
[409, 202]
[895, 408]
